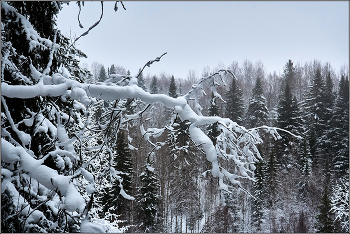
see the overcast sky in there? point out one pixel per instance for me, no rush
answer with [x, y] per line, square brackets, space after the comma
[203, 33]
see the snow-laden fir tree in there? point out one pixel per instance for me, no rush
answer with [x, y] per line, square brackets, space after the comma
[340, 204]
[148, 197]
[339, 130]
[258, 204]
[289, 75]
[288, 118]
[212, 129]
[257, 113]
[111, 199]
[325, 216]
[314, 110]
[173, 88]
[273, 180]
[234, 103]
[304, 164]
[37, 128]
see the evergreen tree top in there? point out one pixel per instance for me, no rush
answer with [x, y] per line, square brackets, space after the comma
[258, 89]
[102, 75]
[173, 88]
[154, 86]
[112, 70]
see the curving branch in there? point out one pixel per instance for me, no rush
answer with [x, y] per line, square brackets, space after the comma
[148, 64]
[94, 25]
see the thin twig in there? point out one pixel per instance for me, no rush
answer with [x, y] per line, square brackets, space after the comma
[148, 64]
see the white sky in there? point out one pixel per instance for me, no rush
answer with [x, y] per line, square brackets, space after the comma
[197, 34]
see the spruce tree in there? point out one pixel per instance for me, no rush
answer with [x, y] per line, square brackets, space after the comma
[259, 196]
[314, 110]
[325, 216]
[288, 118]
[257, 114]
[173, 88]
[289, 75]
[272, 177]
[288, 113]
[149, 200]
[234, 103]
[212, 129]
[28, 31]
[102, 75]
[112, 70]
[154, 86]
[340, 204]
[304, 165]
[172, 93]
[339, 133]
[111, 199]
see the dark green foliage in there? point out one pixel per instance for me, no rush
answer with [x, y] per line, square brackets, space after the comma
[257, 114]
[314, 111]
[149, 200]
[288, 113]
[339, 132]
[325, 216]
[289, 75]
[154, 86]
[17, 49]
[183, 172]
[304, 163]
[288, 118]
[272, 177]
[234, 103]
[110, 199]
[173, 88]
[102, 75]
[212, 129]
[259, 194]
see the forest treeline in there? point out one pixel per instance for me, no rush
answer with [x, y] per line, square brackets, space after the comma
[310, 100]
[78, 157]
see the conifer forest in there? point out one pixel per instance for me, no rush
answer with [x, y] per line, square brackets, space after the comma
[234, 149]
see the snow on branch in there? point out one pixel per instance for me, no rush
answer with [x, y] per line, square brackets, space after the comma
[32, 35]
[231, 137]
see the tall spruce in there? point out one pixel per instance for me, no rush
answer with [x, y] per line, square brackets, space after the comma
[212, 129]
[173, 88]
[19, 22]
[339, 133]
[102, 75]
[314, 109]
[304, 165]
[257, 114]
[112, 70]
[289, 75]
[154, 85]
[325, 216]
[258, 203]
[149, 200]
[123, 164]
[288, 118]
[234, 103]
